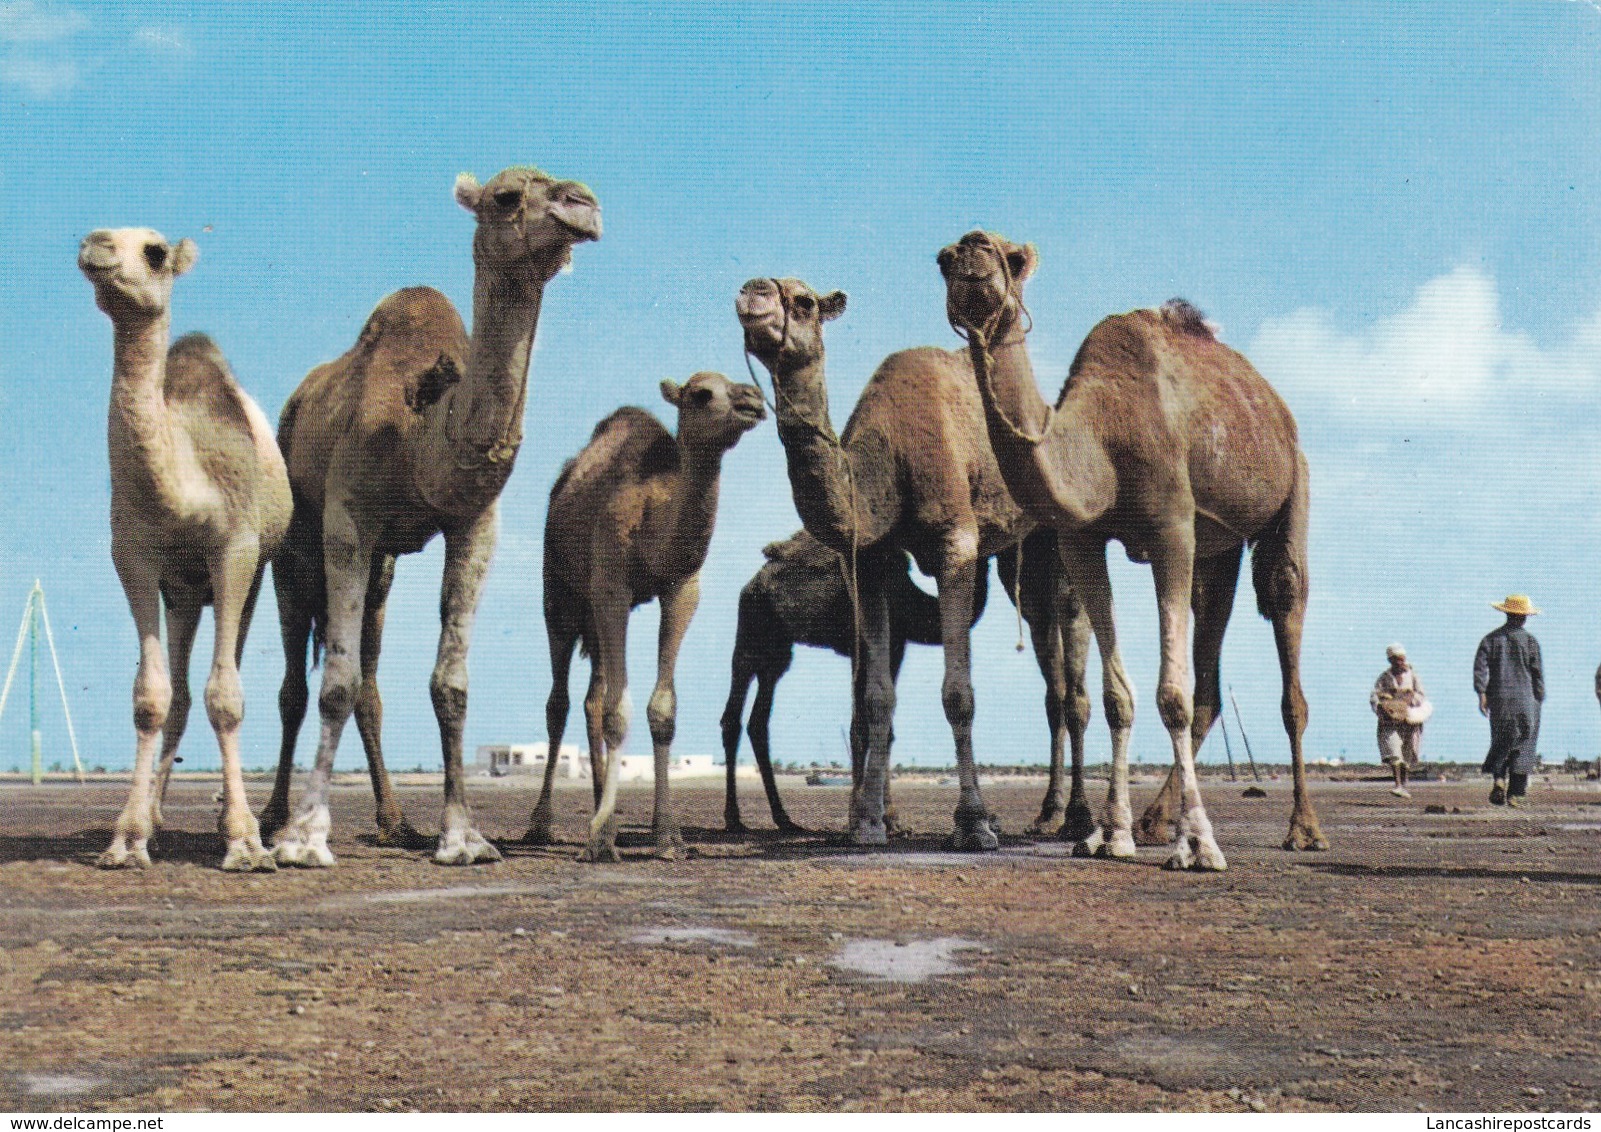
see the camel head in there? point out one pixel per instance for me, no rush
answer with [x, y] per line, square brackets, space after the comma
[528, 221]
[713, 412]
[984, 277]
[783, 320]
[132, 269]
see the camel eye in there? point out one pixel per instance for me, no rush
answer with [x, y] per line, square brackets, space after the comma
[805, 304]
[155, 255]
[701, 396]
[508, 198]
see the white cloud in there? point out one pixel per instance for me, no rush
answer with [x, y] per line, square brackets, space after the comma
[39, 79]
[1447, 360]
[27, 22]
[164, 41]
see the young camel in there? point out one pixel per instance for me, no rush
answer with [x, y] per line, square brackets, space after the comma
[914, 474]
[630, 519]
[800, 597]
[199, 503]
[1171, 443]
[411, 433]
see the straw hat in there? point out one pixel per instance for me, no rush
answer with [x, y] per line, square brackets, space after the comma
[1516, 603]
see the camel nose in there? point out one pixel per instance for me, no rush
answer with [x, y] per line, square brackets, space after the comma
[97, 252]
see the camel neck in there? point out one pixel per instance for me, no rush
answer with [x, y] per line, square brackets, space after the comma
[1051, 459]
[692, 513]
[821, 470]
[477, 427]
[139, 430]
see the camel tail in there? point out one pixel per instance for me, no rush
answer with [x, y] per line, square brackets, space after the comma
[1279, 554]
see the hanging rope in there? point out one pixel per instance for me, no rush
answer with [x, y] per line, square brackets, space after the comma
[826, 434]
[980, 336]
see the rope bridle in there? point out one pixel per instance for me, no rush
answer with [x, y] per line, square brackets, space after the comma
[826, 434]
[978, 340]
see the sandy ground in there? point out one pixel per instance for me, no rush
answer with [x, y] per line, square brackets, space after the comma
[1436, 961]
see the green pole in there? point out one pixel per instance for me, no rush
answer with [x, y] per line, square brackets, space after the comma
[33, 683]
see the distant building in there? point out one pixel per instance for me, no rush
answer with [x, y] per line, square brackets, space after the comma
[500, 759]
[529, 758]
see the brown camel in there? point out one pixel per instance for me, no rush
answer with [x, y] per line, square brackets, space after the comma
[1171, 443]
[411, 433]
[800, 597]
[913, 473]
[199, 502]
[630, 519]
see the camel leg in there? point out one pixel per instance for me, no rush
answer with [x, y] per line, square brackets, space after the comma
[347, 565]
[761, 714]
[393, 828]
[1037, 607]
[1085, 563]
[234, 575]
[294, 623]
[1073, 629]
[678, 604]
[182, 622]
[957, 578]
[468, 551]
[1279, 571]
[562, 642]
[595, 726]
[1173, 568]
[152, 697]
[733, 720]
[875, 706]
[1212, 602]
[610, 605]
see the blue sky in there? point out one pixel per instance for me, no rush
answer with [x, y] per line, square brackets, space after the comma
[1392, 209]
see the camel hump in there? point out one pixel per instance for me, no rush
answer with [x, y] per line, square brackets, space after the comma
[1185, 317]
[411, 313]
[198, 376]
[629, 439]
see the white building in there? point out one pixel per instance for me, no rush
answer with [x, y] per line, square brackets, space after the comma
[500, 759]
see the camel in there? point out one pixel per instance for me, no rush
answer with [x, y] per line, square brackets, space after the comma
[913, 473]
[800, 596]
[1171, 443]
[199, 503]
[411, 433]
[630, 519]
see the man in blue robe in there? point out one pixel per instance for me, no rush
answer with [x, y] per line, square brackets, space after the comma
[1510, 681]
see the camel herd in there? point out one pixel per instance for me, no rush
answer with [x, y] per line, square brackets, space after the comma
[1163, 439]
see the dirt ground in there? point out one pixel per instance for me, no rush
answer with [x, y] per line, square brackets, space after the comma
[1435, 961]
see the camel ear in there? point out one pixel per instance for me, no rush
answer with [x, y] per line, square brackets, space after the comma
[672, 392]
[184, 256]
[468, 190]
[831, 306]
[1022, 261]
[947, 255]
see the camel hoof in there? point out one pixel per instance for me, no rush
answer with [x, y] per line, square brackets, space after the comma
[303, 854]
[401, 835]
[1154, 831]
[600, 852]
[1302, 839]
[787, 826]
[868, 832]
[732, 825]
[271, 821]
[1077, 825]
[975, 837]
[465, 848]
[539, 830]
[1195, 853]
[1120, 846]
[118, 857]
[243, 857]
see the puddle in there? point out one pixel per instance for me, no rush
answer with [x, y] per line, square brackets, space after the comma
[58, 1084]
[723, 937]
[914, 962]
